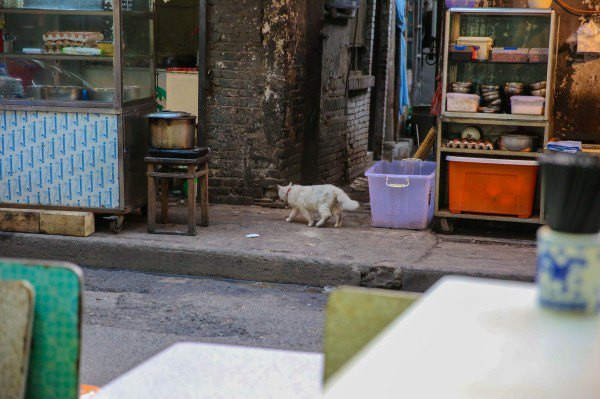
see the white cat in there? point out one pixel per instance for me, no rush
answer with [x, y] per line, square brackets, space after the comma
[327, 199]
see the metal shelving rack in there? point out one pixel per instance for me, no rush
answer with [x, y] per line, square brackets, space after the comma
[451, 71]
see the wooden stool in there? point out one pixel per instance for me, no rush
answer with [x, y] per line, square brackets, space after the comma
[197, 171]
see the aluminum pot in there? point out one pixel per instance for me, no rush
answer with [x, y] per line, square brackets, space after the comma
[517, 142]
[58, 93]
[172, 130]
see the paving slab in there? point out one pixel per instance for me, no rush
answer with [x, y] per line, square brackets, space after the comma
[356, 254]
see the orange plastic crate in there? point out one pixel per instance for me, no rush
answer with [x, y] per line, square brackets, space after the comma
[492, 186]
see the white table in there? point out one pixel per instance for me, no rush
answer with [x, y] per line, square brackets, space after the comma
[470, 338]
[191, 370]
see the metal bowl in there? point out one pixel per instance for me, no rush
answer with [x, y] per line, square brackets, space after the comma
[538, 85]
[465, 90]
[517, 142]
[491, 110]
[108, 94]
[540, 92]
[492, 96]
[57, 93]
[514, 84]
[488, 88]
[513, 90]
[462, 84]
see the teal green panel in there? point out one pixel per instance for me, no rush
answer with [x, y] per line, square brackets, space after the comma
[54, 361]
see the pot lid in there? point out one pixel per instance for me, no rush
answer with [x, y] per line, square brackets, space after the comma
[169, 115]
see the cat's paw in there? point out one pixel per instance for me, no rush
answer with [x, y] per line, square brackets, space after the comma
[288, 220]
[311, 224]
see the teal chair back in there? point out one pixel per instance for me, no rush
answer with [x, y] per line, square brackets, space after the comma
[55, 351]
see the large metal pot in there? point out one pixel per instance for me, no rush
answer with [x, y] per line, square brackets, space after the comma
[172, 130]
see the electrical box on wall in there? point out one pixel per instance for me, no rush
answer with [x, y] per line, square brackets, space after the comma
[341, 9]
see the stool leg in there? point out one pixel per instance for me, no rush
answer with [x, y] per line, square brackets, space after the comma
[192, 190]
[151, 200]
[164, 200]
[204, 198]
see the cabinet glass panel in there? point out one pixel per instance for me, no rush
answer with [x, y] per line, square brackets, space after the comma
[78, 5]
[57, 56]
[138, 55]
[507, 31]
[56, 4]
[50, 79]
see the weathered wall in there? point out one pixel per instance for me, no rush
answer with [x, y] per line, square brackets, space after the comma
[255, 99]
[577, 95]
[345, 97]
[333, 118]
[359, 106]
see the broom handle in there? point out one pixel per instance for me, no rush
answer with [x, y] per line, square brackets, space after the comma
[426, 145]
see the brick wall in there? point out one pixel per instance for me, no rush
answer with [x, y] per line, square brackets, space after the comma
[255, 101]
[358, 133]
[257, 108]
[333, 130]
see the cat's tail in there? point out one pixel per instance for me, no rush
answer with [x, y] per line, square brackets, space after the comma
[345, 201]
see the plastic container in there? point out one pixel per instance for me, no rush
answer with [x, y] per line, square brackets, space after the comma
[458, 52]
[483, 44]
[510, 54]
[538, 55]
[460, 3]
[527, 105]
[402, 194]
[492, 186]
[462, 102]
[539, 3]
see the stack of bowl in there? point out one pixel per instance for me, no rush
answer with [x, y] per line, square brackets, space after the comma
[513, 89]
[538, 89]
[462, 87]
[491, 98]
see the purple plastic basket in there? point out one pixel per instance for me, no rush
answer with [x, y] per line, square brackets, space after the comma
[460, 3]
[402, 194]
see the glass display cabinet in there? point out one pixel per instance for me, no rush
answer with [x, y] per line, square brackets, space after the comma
[76, 79]
[491, 55]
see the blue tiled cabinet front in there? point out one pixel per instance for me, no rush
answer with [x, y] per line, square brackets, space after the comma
[66, 159]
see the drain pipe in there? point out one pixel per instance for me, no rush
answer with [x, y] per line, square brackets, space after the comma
[202, 74]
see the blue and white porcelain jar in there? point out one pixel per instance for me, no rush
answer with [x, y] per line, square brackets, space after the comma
[568, 276]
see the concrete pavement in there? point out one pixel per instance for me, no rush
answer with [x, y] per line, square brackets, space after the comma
[129, 317]
[356, 254]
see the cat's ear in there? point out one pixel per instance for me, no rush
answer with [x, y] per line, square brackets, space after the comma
[278, 187]
[290, 185]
